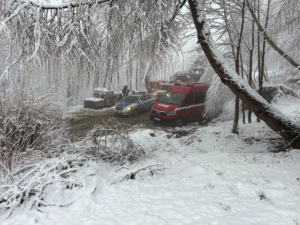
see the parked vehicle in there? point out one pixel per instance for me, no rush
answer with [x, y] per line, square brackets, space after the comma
[180, 103]
[152, 86]
[185, 76]
[161, 90]
[102, 98]
[134, 103]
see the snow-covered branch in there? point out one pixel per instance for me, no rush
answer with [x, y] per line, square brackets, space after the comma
[113, 144]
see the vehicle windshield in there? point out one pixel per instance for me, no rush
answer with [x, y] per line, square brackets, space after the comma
[164, 87]
[172, 98]
[131, 98]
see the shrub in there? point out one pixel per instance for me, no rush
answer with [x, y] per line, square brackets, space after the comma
[30, 121]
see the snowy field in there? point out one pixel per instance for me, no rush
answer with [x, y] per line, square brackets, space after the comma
[212, 177]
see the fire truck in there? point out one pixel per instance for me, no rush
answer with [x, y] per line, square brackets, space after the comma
[185, 76]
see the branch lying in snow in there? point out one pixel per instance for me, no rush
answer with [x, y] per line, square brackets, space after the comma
[113, 144]
[153, 169]
[108, 143]
[32, 181]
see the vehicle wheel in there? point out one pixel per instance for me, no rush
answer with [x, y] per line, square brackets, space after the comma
[135, 112]
[178, 122]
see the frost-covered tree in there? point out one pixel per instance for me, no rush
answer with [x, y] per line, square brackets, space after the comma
[198, 63]
[103, 43]
[285, 17]
[262, 109]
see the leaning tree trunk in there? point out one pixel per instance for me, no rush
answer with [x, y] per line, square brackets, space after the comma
[262, 109]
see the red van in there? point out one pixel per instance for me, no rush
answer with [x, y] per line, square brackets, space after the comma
[180, 103]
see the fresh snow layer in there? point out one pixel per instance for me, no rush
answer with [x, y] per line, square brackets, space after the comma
[94, 99]
[79, 112]
[102, 89]
[212, 177]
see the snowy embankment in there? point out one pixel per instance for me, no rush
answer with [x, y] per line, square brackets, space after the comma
[212, 177]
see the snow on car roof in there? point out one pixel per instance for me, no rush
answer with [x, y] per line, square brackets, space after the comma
[102, 89]
[138, 93]
[94, 99]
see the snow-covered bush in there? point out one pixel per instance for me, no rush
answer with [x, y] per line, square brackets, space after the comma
[30, 122]
[217, 95]
[284, 91]
[113, 144]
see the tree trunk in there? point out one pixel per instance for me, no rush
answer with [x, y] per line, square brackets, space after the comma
[264, 48]
[251, 66]
[242, 73]
[262, 109]
[236, 54]
[258, 55]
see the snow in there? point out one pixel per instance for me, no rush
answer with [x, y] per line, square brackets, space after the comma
[212, 177]
[79, 112]
[93, 99]
[102, 89]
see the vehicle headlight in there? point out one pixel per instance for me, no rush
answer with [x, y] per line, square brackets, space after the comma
[171, 113]
[128, 108]
[154, 93]
[113, 107]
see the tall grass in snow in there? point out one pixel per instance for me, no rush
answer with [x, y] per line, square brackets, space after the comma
[30, 122]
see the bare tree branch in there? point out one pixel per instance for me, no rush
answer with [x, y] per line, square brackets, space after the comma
[270, 41]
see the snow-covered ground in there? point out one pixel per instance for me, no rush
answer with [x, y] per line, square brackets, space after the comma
[212, 177]
[79, 112]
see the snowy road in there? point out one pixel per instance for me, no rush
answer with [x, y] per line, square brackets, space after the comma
[85, 119]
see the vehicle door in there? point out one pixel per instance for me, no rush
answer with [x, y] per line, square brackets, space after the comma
[187, 107]
[199, 104]
[148, 101]
[141, 103]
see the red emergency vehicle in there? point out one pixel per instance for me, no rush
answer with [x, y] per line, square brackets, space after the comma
[180, 103]
[152, 86]
[185, 76]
